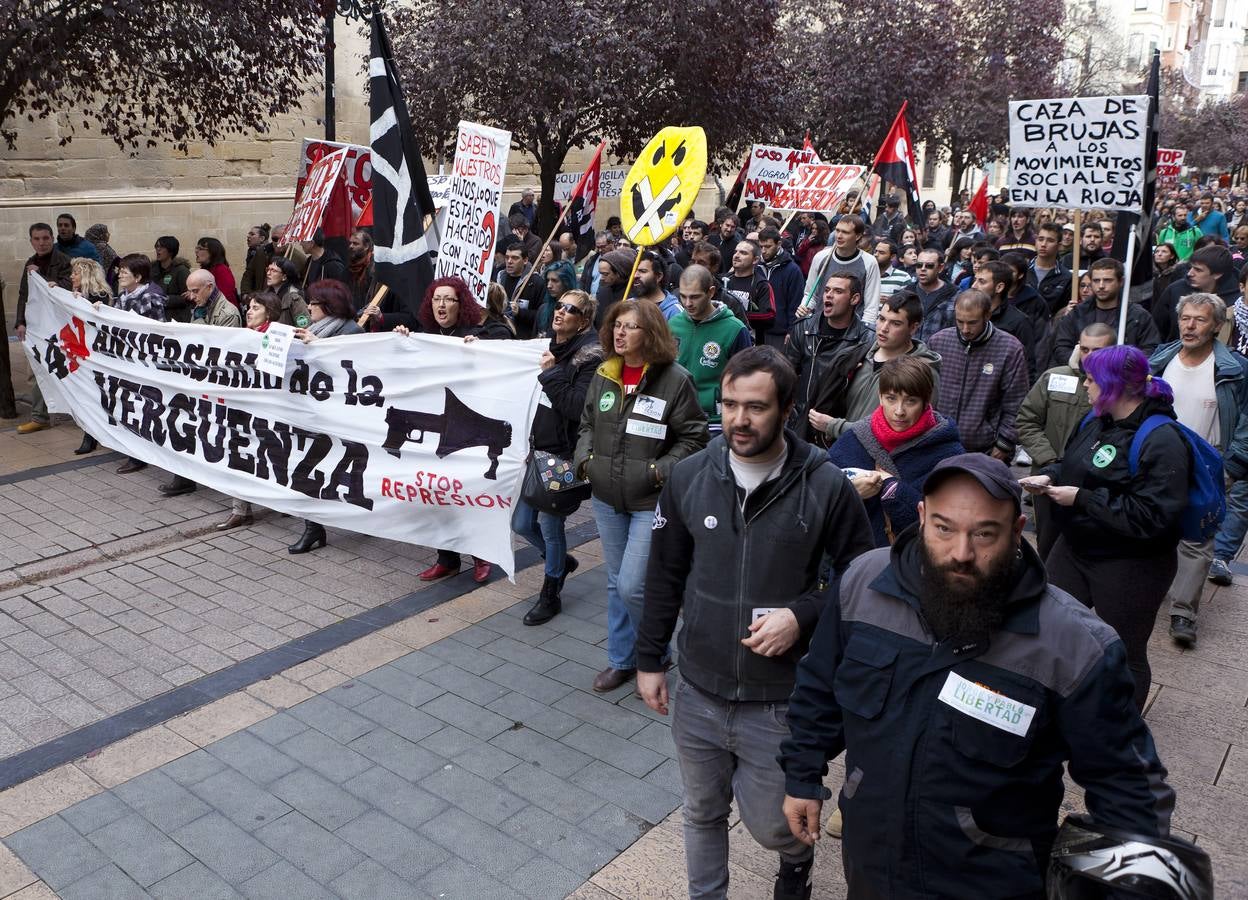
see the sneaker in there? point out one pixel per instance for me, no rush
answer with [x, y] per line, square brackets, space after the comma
[1220, 572]
[1183, 630]
[833, 826]
[793, 880]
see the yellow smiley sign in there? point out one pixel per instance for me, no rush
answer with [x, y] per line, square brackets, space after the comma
[661, 186]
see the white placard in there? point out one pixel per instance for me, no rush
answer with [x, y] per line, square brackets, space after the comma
[274, 348]
[1170, 164]
[419, 439]
[473, 206]
[770, 169]
[1079, 152]
[817, 187]
[609, 185]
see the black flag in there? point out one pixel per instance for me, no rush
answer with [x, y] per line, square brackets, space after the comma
[401, 198]
[1142, 265]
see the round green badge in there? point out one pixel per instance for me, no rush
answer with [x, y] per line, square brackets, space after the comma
[303, 322]
[1104, 456]
[607, 401]
[264, 342]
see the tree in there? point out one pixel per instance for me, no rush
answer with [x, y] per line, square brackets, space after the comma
[1003, 51]
[1215, 134]
[1094, 51]
[563, 74]
[144, 71]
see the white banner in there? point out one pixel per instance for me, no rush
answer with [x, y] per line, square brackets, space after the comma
[770, 169]
[609, 185]
[473, 202]
[320, 183]
[419, 439]
[817, 187]
[1079, 152]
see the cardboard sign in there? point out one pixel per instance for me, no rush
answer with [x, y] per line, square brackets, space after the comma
[817, 187]
[354, 191]
[660, 188]
[322, 180]
[1079, 152]
[770, 169]
[472, 206]
[609, 186]
[1170, 164]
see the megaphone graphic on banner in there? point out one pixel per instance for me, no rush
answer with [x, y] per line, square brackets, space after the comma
[459, 426]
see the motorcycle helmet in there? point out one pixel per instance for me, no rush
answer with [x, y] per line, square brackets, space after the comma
[1097, 862]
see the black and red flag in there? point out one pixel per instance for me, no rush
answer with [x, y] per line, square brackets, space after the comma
[894, 163]
[1141, 267]
[401, 198]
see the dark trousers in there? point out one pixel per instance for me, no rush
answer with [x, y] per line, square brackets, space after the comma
[1046, 528]
[1126, 593]
[8, 402]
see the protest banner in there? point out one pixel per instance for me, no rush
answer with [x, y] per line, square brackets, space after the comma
[1079, 152]
[356, 189]
[817, 187]
[770, 169]
[610, 185]
[1170, 164]
[473, 201]
[419, 439]
[323, 178]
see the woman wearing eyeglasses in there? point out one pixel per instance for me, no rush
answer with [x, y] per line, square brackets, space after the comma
[641, 417]
[568, 366]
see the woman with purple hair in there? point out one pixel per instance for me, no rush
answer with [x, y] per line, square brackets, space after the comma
[1119, 531]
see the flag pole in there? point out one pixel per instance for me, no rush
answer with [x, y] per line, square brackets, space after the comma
[641, 249]
[1074, 259]
[1126, 288]
[373, 306]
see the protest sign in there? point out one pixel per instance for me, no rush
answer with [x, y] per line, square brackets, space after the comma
[1079, 152]
[817, 187]
[274, 348]
[770, 169]
[609, 185]
[322, 180]
[1170, 164]
[662, 184]
[357, 185]
[419, 439]
[473, 199]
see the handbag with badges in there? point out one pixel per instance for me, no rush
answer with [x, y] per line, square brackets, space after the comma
[550, 484]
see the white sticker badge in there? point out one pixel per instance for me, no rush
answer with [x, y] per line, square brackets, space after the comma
[654, 430]
[987, 705]
[650, 407]
[1063, 384]
[759, 611]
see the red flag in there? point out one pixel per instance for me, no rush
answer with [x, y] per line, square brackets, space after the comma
[979, 203]
[587, 190]
[806, 144]
[366, 215]
[895, 161]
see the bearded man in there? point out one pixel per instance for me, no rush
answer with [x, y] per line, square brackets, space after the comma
[959, 683]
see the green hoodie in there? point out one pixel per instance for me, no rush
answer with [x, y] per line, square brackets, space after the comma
[704, 350]
[1184, 241]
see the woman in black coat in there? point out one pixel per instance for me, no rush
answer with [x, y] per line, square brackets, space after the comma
[568, 366]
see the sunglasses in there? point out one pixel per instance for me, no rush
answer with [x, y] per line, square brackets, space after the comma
[570, 308]
[924, 265]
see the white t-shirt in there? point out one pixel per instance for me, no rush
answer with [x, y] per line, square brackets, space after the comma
[750, 475]
[1195, 399]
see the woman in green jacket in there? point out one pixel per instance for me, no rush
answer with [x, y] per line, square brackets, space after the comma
[641, 417]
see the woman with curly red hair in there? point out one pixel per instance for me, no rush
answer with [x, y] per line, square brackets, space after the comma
[449, 309]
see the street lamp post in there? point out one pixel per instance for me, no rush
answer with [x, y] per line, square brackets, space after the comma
[348, 11]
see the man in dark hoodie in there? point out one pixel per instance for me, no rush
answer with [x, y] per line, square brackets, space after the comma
[1106, 276]
[741, 642]
[1210, 270]
[170, 272]
[934, 293]
[323, 262]
[613, 269]
[787, 283]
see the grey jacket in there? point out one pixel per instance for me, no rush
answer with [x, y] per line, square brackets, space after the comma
[1230, 379]
[716, 559]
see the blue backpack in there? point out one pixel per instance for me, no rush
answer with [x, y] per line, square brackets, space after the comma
[1206, 494]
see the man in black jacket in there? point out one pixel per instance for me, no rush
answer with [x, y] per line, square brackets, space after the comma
[760, 498]
[816, 340]
[1106, 276]
[958, 682]
[995, 278]
[323, 262]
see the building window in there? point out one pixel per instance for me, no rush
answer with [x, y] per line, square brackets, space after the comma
[1243, 83]
[929, 170]
[1135, 51]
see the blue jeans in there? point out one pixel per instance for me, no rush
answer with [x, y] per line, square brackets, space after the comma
[545, 532]
[1235, 525]
[625, 548]
[728, 750]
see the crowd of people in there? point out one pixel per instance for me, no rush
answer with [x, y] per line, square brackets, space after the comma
[796, 433]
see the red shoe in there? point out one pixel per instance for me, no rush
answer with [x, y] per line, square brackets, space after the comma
[436, 571]
[480, 570]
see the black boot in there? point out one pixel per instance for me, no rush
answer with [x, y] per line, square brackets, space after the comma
[313, 537]
[88, 445]
[569, 566]
[548, 603]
